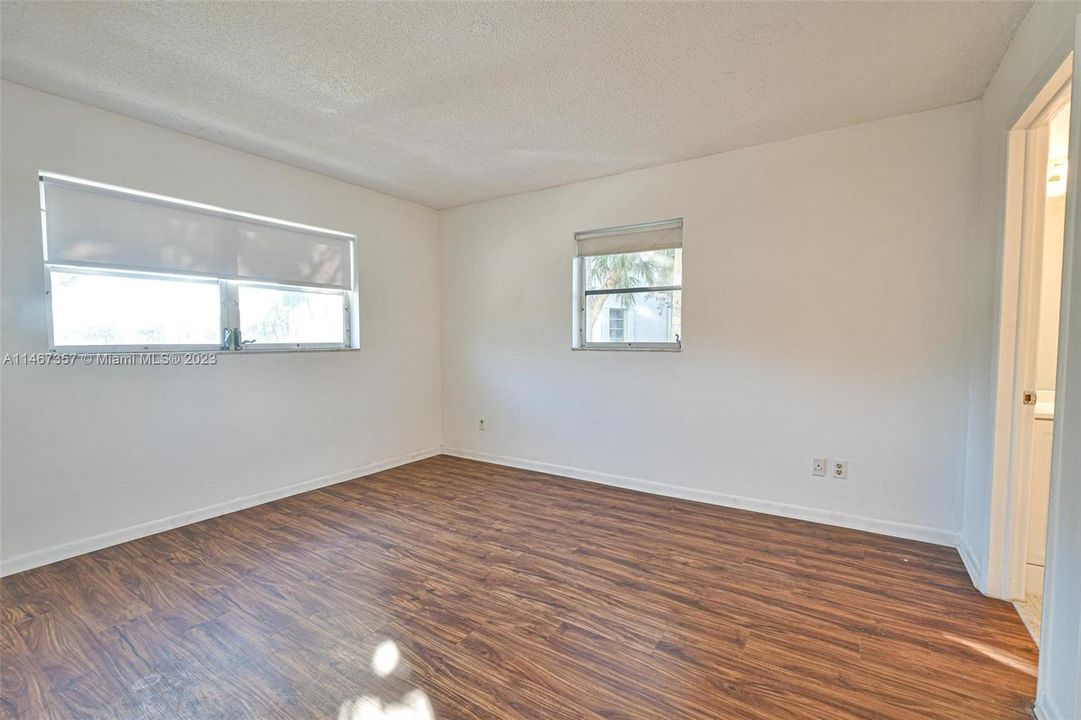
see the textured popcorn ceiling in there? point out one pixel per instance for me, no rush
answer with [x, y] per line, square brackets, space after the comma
[449, 103]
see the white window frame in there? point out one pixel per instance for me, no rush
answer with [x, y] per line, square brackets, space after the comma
[581, 340]
[229, 320]
[233, 316]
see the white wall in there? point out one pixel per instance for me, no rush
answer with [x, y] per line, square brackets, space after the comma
[90, 451]
[1059, 688]
[824, 315]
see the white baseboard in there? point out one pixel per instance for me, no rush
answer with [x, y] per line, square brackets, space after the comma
[937, 536]
[856, 522]
[12, 565]
[972, 564]
[1046, 709]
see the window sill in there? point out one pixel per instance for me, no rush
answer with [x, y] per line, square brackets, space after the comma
[630, 348]
[191, 351]
[277, 351]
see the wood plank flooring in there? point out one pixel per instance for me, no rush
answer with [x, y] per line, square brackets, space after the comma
[488, 592]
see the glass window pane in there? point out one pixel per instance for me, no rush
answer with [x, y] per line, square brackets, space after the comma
[95, 309]
[616, 317]
[279, 315]
[643, 317]
[630, 270]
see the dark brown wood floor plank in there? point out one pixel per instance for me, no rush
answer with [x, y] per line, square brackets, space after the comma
[509, 594]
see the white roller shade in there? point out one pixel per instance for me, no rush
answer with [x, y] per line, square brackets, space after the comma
[96, 225]
[631, 238]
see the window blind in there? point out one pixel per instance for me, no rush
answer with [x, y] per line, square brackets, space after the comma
[104, 226]
[631, 238]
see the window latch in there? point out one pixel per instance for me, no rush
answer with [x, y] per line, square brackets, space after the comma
[231, 340]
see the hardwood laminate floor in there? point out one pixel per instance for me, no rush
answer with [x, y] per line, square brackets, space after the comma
[449, 588]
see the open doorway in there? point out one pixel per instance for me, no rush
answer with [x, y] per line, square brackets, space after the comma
[1042, 339]
[1029, 336]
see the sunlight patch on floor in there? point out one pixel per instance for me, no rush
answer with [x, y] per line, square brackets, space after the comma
[385, 658]
[1029, 668]
[414, 705]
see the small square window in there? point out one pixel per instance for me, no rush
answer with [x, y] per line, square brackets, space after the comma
[616, 316]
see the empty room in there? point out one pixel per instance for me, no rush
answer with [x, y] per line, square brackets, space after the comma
[540, 360]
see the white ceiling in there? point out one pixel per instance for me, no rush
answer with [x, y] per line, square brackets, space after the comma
[449, 103]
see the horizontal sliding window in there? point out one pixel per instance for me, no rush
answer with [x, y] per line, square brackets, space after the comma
[129, 271]
[101, 308]
[630, 284]
[286, 316]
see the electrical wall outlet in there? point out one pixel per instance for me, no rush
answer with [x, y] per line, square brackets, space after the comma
[818, 467]
[840, 469]
[481, 425]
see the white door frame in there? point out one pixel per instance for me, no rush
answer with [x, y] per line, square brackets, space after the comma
[1025, 192]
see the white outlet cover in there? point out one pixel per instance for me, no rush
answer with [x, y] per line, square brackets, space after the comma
[840, 469]
[818, 467]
